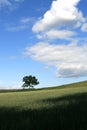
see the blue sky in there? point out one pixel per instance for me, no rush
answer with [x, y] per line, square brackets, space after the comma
[44, 38]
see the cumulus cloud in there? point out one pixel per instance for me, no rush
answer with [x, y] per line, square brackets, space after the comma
[70, 60]
[57, 34]
[61, 22]
[84, 27]
[61, 13]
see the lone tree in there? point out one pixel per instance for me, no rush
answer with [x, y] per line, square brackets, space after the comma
[30, 81]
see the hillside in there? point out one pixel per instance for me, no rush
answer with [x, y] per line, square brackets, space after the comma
[57, 108]
[72, 85]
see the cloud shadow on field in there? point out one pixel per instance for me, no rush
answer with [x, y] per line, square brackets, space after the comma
[66, 113]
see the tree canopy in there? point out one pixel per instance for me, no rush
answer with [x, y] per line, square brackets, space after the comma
[30, 81]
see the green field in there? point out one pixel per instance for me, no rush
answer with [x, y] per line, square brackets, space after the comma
[58, 108]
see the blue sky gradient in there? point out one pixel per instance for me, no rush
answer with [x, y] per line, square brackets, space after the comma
[52, 46]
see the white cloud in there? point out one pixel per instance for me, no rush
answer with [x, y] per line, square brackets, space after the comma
[22, 25]
[70, 60]
[57, 23]
[61, 13]
[16, 28]
[25, 20]
[6, 87]
[4, 3]
[19, 0]
[84, 27]
[57, 34]
[10, 4]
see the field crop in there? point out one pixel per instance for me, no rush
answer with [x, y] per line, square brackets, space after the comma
[47, 109]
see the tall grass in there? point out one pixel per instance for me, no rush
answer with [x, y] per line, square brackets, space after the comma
[51, 109]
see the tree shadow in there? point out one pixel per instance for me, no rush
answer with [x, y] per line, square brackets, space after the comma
[66, 113]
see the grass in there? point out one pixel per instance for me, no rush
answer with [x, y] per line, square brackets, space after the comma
[46, 109]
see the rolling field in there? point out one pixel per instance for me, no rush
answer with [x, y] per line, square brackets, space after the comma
[56, 108]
